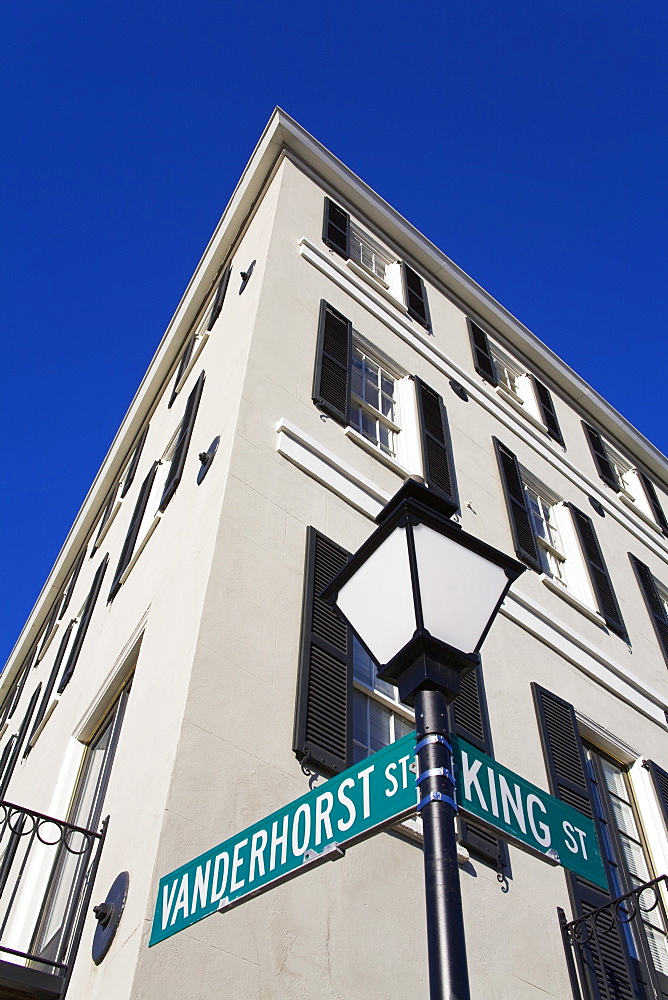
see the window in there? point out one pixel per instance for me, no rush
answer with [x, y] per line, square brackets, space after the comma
[85, 811]
[355, 245]
[628, 942]
[656, 599]
[379, 718]
[361, 390]
[514, 383]
[373, 403]
[629, 865]
[558, 540]
[344, 713]
[634, 487]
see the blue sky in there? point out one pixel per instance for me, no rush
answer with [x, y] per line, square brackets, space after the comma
[527, 140]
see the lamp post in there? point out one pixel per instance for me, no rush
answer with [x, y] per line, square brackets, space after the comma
[421, 595]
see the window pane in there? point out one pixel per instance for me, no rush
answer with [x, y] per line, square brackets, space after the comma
[364, 668]
[402, 727]
[360, 721]
[369, 427]
[614, 779]
[379, 725]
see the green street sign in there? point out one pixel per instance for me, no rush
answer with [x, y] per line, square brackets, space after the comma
[354, 805]
[315, 828]
[525, 815]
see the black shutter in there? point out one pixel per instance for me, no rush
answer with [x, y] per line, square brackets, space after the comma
[219, 297]
[183, 440]
[416, 295]
[608, 967]
[16, 690]
[18, 743]
[183, 364]
[548, 411]
[605, 595]
[134, 462]
[323, 716]
[653, 498]
[46, 697]
[336, 229]
[71, 584]
[483, 362]
[133, 531]
[470, 721]
[437, 458]
[50, 623]
[518, 511]
[86, 616]
[653, 601]
[331, 380]
[660, 779]
[603, 464]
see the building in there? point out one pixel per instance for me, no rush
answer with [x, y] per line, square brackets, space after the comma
[180, 675]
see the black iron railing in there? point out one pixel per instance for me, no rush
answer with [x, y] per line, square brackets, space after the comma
[620, 950]
[47, 871]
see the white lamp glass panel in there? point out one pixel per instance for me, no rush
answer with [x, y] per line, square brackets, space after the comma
[459, 589]
[378, 599]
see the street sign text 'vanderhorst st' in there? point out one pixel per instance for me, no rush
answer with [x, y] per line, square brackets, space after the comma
[357, 803]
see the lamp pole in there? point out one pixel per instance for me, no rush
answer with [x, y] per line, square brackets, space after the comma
[444, 587]
[448, 968]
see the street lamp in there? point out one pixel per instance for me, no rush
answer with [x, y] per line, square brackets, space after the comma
[421, 594]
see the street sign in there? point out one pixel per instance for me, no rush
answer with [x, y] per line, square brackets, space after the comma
[356, 804]
[315, 828]
[525, 815]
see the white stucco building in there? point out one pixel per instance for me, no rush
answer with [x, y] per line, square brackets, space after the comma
[180, 675]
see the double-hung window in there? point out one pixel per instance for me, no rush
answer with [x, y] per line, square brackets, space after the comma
[363, 391]
[379, 718]
[656, 599]
[369, 258]
[633, 486]
[558, 540]
[514, 383]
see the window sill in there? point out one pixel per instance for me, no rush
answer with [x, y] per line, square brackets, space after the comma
[140, 548]
[47, 715]
[105, 527]
[574, 601]
[507, 397]
[362, 442]
[631, 504]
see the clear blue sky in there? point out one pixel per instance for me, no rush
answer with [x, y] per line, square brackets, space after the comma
[527, 140]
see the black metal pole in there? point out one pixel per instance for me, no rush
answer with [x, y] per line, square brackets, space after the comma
[448, 969]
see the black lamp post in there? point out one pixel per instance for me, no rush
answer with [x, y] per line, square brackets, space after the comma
[421, 595]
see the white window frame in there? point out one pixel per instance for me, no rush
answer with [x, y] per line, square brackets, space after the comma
[390, 282]
[522, 394]
[201, 338]
[407, 458]
[388, 701]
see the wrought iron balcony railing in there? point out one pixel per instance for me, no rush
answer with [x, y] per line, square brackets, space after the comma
[47, 871]
[619, 951]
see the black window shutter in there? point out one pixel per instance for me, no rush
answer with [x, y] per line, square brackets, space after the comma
[603, 464]
[50, 684]
[183, 440]
[548, 411]
[470, 721]
[660, 779]
[416, 295]
[18, 742]
[336, 229]
[653, 601]
[331, 380]
[437, 457]
[183, 364]
[600, 578]
[133, 531]
[518, 512]
[653, 498]
[134, 462]
[86, 616]
[564, 760]
[16, 690]
[323, 715]
[71, 584]
[50, 623]
[483, 362]
[219, 297]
